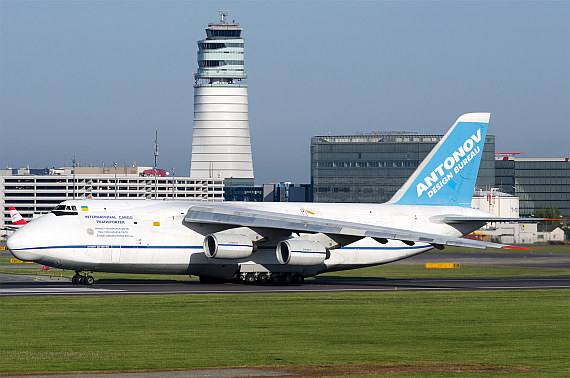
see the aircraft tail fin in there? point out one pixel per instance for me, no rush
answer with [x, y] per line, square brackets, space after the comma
[448, 174]
[17, 219]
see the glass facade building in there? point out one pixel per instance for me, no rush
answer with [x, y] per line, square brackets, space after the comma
[372, 167]
[539, 183]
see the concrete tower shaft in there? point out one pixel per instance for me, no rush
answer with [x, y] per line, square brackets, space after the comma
[221, 146]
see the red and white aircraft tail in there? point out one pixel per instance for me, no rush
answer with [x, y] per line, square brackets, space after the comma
[17, 219]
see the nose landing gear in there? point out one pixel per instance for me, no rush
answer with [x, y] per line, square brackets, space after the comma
[86, 279]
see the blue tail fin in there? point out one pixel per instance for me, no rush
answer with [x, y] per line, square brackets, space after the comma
[448, 174]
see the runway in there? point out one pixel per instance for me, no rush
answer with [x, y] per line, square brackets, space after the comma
[26, 287]
[21, 285]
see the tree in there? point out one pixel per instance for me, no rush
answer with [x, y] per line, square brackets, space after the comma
[550, 213]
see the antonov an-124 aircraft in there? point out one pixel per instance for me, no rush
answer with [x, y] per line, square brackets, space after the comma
[269, 242]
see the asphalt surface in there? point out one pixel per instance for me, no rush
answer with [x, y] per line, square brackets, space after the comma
[21, 285]
[129, 287]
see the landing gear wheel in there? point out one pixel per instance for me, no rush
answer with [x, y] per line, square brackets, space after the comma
[287, 279]
[88, 280]
[298, 278]
[250, 278]
[263, 279]
[75, 279]
[275, 278]
[80, 280]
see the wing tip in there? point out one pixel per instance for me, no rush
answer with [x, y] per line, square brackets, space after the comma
[513, 247]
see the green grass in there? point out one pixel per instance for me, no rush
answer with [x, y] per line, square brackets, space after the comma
[512, 328]
[465, 271]
[5, 260]
[534, 248]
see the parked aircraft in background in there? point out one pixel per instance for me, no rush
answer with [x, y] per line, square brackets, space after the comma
[17, 220]
[276, 242]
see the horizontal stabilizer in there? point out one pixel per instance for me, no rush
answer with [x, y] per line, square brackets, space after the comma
[462, 219]
[10, 228]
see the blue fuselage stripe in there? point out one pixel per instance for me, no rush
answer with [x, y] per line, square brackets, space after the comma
[201, 247]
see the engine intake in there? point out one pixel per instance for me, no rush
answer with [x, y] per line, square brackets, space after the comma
[227, 246]
[300, 252]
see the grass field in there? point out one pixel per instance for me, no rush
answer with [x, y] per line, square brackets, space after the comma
[528, 329]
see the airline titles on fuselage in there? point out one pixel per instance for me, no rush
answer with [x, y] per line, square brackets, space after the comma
[110, 218]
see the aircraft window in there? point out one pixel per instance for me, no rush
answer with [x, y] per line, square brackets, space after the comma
[65, 210]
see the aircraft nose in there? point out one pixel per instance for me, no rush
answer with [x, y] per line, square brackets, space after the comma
[18, 244]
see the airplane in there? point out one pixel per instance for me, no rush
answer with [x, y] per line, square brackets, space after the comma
[270, 242]
[17, 220]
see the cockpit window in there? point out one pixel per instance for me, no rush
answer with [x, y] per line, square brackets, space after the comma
[65, 210]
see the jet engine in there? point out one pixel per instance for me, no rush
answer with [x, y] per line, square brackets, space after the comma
[300, 252]
[227, 246]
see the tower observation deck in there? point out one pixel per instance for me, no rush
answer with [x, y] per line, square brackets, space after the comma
[221, 54]
[221, 146]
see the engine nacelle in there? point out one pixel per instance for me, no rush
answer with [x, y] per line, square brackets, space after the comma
[227, 246]
[300, 252]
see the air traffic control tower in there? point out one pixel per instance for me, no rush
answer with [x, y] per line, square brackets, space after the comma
[221, 147]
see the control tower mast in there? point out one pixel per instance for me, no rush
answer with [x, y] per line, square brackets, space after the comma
[221, 146]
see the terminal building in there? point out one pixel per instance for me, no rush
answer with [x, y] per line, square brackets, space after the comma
[372, 167]
[538, 182]
[34, 192]
[287, 192]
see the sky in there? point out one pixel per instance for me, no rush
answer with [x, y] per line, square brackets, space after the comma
[94, 79]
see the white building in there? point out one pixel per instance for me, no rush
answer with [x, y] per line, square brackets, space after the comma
[495, 202]
[35, 192]
[507, 206]
[547, 233]
[513, 233]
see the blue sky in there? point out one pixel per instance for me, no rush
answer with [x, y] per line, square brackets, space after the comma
[95, 79]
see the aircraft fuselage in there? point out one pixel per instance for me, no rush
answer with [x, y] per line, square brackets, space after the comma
[153, 237]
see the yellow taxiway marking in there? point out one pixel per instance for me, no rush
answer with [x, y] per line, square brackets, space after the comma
[443, 265]
[16, 261]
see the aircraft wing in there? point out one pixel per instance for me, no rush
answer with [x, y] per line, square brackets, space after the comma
[240, 217]
[10, 228]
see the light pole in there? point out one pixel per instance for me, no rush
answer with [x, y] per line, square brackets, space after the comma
[115, 165]
[173, 172]
[73, 163]
[156, 166]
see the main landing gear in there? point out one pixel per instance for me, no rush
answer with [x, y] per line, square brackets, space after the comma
[274, 278]
[78, 279]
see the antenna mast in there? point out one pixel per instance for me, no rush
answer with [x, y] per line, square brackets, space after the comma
[156, 165]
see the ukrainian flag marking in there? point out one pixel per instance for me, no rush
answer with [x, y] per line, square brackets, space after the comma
[84, 208]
